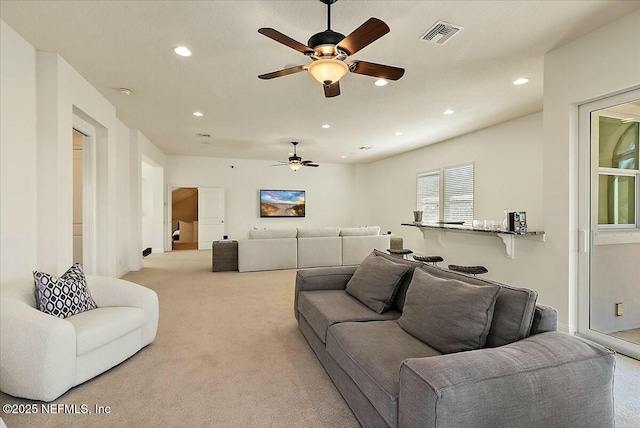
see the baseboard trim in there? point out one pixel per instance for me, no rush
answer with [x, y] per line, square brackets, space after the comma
[123, 273]
[157, 250]
[563, 328]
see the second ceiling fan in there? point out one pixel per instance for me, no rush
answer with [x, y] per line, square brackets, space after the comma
[328, 51]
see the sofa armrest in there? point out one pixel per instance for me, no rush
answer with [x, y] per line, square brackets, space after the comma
[550, 379]
[109, 292]
[329, 278]
[37, 351]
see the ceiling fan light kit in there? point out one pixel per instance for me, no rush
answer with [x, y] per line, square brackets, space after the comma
[328, 71]
[328, 51]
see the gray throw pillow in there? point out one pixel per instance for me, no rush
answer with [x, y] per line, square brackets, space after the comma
[375, 282]
[65, 296]
[447, 314]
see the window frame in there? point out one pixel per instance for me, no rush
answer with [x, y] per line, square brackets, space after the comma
[442, 186]
[616, 172]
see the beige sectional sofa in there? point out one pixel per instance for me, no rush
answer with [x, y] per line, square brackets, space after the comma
[273, 249]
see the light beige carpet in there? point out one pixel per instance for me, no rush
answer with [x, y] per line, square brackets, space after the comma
[229, 354]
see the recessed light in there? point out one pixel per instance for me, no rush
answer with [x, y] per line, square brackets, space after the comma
[520, 81]
[182, 51]
[125, 91]
[198, 113]
[398, 133]
[381, 82]
[448, 111]
[343, 157]
[326, 126]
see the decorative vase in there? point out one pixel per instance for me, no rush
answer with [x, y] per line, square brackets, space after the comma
[417, 217]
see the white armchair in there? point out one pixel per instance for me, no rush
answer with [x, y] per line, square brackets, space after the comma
[41, 356]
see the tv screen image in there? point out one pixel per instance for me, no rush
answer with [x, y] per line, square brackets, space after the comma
[282, 203]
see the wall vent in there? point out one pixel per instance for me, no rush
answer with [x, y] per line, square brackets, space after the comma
[441, 32]
[203, 135]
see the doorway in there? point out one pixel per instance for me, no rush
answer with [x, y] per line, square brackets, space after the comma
[209, 223]
[609, 218]
[184, 218]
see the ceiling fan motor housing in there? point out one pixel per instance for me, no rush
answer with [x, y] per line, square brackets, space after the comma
[327, 38]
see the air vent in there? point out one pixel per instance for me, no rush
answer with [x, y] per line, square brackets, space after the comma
[441, 32]
[203, 135]
[365, 148]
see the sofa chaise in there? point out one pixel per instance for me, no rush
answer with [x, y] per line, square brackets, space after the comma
[523, 373]
[42, 356]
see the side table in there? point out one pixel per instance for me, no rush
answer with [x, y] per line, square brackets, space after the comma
[224, 256]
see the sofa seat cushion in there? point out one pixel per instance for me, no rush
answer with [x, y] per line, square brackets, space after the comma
[103, 325]
[371, 353]
[323, 308]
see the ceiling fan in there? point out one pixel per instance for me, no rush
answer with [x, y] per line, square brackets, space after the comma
[295, 161]
[328, 51]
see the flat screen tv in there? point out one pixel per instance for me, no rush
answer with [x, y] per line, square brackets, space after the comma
[282, 203]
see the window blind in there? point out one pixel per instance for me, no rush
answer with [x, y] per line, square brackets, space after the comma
[458, 193]
[429, 196]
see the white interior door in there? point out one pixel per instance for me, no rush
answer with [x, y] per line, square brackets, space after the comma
[210, 216]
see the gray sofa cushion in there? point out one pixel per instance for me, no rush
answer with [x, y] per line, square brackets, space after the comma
[449, 315]
[371, 354]
[398, 301]
[513, 313]
[375, 282]
[323, 308]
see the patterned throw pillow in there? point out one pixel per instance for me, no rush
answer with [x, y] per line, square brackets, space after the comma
[64, 296]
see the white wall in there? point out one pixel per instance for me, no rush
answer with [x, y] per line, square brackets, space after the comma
[508, 174]
[123, 201]
[329, 190]
[601, 63]
[18, 162]
[41, 93]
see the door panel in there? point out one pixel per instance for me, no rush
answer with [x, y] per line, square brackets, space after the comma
[210, 216]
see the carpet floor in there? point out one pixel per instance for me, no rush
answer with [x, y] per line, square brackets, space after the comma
[229, 354]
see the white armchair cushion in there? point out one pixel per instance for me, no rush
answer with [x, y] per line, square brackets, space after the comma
[104, 325]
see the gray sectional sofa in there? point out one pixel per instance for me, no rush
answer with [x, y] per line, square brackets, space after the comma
[448, 350]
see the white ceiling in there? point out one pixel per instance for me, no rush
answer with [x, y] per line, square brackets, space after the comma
[116, 44]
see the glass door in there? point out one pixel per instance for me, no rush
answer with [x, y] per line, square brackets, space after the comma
[609, 219]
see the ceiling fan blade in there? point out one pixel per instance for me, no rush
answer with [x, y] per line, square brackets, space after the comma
[332, 90]
[362, 36]
[306, 162]
[281, 164]
[286, 40]
[376, 70]
[311, 164]
[283, 72]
